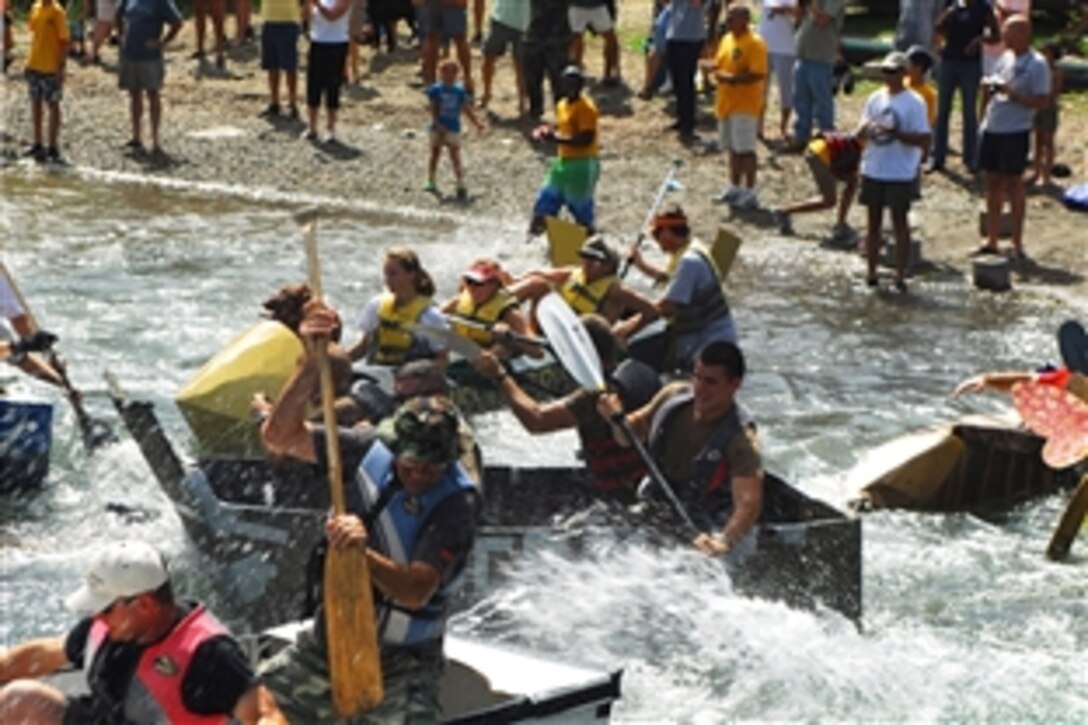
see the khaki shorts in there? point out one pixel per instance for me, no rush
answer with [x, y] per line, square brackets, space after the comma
[105, 11]
[441, 137]
[597, 18]
[738, 132]
[141, 75]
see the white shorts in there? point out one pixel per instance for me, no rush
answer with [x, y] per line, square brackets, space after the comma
[582, 18]
[781, 67]
[738, 132]
[105, 11]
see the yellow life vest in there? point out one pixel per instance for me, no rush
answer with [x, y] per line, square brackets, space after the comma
[488, 314]
[586, 297]
[394, 340]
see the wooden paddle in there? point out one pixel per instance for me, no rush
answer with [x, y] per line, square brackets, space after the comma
[662, 190]
[574, 348]
[1069, 524]
[355, 670]
[95, 432]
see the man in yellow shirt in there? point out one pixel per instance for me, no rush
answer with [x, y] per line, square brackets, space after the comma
[572, 177]
[48, 24]
[739, 68]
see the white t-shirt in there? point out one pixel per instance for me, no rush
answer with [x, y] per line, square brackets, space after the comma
[777, 32]
[431, 315]
[323, 30]
[887, 159]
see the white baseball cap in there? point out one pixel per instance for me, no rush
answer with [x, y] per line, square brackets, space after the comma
[122, 569]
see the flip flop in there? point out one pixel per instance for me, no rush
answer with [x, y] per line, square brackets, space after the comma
[1073, 342]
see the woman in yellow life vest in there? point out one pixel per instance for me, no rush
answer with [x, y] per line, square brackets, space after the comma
[387, 317]
[485, 310]
[592, 287]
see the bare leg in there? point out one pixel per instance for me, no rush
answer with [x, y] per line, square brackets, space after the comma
[292, 87]
[464, 57]
[734, 168]
[995, 184]
[902, 246]
[429, 58]
[274, 86]
[784, 123]
[488, 77]
[872, 241]
[746, 163]
[218, 12]
[432, 163]
[611, 55]
[36, 116]
[200, 23]
[847, 199]
[101, 32]
[577, 49]
[312, 111]
[519, 78]
[478, 17]
[1015, 187]
[330, 119]
[154, 107]
[54, 124]
[136, 112]
[455, 160]
[243, 9]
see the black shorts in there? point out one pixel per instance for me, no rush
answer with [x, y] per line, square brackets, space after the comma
[894, 195]
[325, 74]
[1004, 153]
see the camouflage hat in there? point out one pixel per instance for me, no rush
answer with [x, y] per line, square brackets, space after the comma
[423, 428]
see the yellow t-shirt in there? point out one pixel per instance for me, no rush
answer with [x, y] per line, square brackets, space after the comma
[736, 55]
[49, 37]
[280, 11]
[573, 118]
[929, 95]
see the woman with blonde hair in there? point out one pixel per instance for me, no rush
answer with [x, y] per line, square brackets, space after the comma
[387, 318]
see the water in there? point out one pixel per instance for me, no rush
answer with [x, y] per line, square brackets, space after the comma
[964, 619]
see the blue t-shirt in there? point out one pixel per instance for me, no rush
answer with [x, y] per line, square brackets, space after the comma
[144, 21]
[450, 100]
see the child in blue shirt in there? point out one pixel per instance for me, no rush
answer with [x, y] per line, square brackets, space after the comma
[448, 100]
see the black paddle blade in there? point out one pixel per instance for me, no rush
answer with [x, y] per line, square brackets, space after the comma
[95, 431]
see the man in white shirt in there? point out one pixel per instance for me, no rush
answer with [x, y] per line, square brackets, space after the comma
[897, 130]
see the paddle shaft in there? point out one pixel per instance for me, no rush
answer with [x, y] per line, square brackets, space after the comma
[664, 189]
[355, 673]
[516, 337]
[83, 418]
[656, 474]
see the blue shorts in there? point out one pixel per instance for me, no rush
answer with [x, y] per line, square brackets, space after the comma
[437, 18]
[279, 46]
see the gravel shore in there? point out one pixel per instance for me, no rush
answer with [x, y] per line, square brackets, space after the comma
[212, 134]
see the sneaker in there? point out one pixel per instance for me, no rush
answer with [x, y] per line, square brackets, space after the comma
[430, 186]
[308, 135]
[36, 152]
[462, 192]
[292, 112]
[782, 220]
[52, 155]
[271, 111]
[843, 232]
[728, 195]
[745, 199]
[330, 139]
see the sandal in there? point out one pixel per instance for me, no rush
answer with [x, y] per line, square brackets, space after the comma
[1017, 255]
[132, 145]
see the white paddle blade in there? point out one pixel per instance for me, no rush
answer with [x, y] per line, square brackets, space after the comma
[570, 341]
[446, 337]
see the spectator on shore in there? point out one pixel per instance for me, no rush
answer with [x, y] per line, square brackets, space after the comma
[439, 19]
[685, 39]
[509, 21]
[896, 132]
[243, 16]
[919, 61]
[7, 35]
[217, 10]
[832, 158]
[279, 53]
[325, 65]
[547, 41]
[1046, 120]
[963, 24]
[817, 50]
[740, 69]
[776, 23]
[49, 38]
[448, 101]
[143, 67]
[479, 9]
[573, 174]
[1020, 85]
[584, 15]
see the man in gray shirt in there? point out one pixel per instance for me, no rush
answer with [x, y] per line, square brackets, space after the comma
[1020, 85]
[817, 49]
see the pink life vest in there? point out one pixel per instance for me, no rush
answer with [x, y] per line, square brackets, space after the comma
[154, 695]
